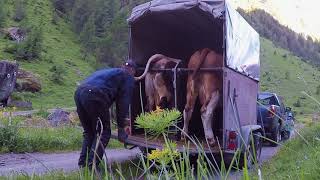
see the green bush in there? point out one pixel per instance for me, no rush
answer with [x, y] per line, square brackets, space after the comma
[8, 137]
[58, 73]
[31, 47]
[297, 103]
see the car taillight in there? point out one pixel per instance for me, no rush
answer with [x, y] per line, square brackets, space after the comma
[272, 111]
[232, 140]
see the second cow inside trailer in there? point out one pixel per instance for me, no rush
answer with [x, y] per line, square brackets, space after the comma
[179, 28]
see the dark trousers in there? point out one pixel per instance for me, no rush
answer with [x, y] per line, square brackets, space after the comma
[92, 105]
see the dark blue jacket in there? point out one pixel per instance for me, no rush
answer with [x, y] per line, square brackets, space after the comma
[117, 85]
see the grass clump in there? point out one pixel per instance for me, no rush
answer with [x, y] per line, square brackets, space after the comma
[18, 139]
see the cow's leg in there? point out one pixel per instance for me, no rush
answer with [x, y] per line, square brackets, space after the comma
[207, 115]
[188, 109]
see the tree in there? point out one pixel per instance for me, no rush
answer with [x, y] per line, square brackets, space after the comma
[81, 12]
[87, 36]
[3, 14]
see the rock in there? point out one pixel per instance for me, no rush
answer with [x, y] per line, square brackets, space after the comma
[21, 104]
[315, 117]
[59, 117]
[74, 118]
[79, 73]
[15, 33]
[27, 81]
[8, 76]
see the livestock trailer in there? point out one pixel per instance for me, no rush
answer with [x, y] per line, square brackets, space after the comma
[178, 28]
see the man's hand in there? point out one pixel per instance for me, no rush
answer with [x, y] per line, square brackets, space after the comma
[122, 135]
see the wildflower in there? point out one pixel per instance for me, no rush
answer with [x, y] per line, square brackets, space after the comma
[158, 110]
[164, 156]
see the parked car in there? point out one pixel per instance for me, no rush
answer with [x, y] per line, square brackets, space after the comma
[272, 116]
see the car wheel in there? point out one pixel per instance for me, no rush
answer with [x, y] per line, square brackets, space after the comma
[285, 135]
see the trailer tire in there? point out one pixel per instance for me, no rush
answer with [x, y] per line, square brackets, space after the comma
[252, 154]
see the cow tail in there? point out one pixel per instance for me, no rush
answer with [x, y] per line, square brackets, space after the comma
[203, 56]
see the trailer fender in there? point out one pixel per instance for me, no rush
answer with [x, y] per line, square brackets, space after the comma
[245, 133]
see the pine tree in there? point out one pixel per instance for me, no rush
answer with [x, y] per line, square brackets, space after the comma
[80, 14]
[87, 35]
[3, 14]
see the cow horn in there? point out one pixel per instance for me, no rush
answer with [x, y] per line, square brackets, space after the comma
[151, 59]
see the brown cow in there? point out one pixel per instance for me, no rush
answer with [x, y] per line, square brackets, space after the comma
[206, 85]
[158, 84]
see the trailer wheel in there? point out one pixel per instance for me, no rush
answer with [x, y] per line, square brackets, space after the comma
[253, 151]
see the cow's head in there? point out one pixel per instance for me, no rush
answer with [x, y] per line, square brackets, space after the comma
[159, 83]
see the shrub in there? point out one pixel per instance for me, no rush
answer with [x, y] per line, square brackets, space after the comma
[297, 103]
[287, 75]
[31, 47]
[318, 90]
[58, 73]
[8, 137]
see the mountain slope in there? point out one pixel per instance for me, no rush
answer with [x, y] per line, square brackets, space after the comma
[287, 75]
[61, 48]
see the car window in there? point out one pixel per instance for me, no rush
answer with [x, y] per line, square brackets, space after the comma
[268, 100]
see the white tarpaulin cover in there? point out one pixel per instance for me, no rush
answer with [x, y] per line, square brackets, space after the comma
[243, 44]
[177, 28]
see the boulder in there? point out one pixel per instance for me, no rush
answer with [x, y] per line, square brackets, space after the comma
[8, 75]
[15, 33]
[27, 81]
[59, 117]
[21, 104]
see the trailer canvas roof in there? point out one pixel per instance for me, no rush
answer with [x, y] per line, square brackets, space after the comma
[177, 28]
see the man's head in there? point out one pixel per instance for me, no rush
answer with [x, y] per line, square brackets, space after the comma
[130, 67]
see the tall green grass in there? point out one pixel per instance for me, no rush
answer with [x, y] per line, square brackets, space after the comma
[298, 158]
[18, 139]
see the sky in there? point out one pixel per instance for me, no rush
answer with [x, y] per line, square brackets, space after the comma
[302, 16]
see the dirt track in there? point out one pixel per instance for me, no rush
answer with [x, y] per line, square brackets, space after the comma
[40, 163]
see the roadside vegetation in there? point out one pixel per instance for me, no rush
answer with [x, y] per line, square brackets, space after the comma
[35, 134]
[298, 158]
